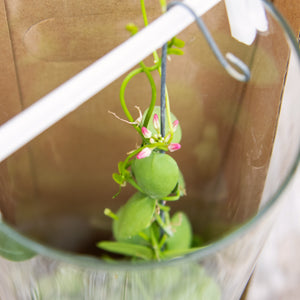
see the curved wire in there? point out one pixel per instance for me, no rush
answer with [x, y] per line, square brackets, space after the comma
[240, 71]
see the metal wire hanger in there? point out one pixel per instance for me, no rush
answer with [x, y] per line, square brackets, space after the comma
[240, 71]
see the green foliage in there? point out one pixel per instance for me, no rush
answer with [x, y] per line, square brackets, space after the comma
[142, 227]
[175, 51]
[175, 45]
[176, 42]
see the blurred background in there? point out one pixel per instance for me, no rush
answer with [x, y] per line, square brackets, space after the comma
[277, 274]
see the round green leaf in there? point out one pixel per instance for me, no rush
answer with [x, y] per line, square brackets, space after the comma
[182, 237]
[12, 250]
[157, 174]
[156, 110]
[127, 249]
[133, 217]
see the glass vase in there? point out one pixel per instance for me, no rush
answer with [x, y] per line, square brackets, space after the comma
[240, 149]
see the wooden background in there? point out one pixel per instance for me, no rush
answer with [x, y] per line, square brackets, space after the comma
[291, 11]
[63, 178]
[41, 168]
[278, 270]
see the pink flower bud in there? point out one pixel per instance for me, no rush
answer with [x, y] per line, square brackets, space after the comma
[156, 122]
[173, 147]
[146, 133]
[175, 125]
[144, 153]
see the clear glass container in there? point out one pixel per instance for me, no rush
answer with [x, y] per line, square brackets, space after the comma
[240, 149]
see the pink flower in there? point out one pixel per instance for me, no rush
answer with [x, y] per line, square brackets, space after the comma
[173, 147]
[144, 153]
[156, 124]
[146, 133]
[175, 125]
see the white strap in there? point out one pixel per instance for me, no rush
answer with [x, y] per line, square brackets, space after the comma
[245, 18]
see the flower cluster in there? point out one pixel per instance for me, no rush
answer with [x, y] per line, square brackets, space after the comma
[156, 140]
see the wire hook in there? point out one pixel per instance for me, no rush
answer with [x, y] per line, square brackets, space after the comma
[240, 71]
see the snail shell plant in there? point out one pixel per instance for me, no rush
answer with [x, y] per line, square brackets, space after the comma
[138, 227]
[143, 227]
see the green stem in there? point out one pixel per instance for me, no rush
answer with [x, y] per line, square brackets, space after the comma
[163, 5]
[132, 154]
[154, 67]
[163, 241]
[163, 207]
[144, 236]
[134, 184]
[161, 223]
[156, 59]
[172, 198]
[153, 95]
[155, 245]
[122, 93]
[110, 214]
[144, 12]
[147, 72]
[126, 163]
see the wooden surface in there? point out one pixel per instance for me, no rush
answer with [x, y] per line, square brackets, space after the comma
[67, 169]
[277, 272]
[291, 11]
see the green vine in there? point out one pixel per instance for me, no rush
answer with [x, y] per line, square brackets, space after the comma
[139, 229]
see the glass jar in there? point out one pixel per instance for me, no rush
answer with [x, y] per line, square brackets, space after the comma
[239, 151]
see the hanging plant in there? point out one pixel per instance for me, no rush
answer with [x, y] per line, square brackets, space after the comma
[143, 228]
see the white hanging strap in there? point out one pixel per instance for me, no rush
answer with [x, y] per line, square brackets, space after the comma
[31, 122]
[245, 18]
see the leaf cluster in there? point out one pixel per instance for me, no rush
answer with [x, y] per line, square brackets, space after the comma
[137, 231]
